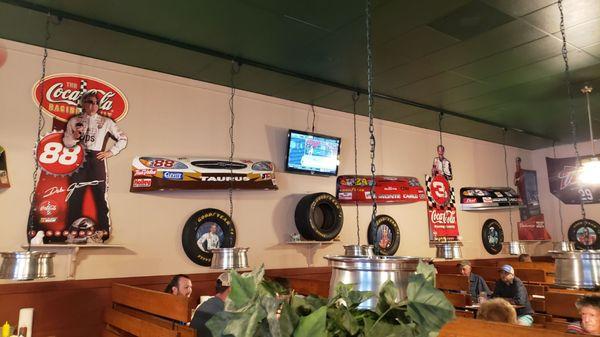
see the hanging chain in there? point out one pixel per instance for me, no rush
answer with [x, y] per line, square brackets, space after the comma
[441, 116]
[587, 90]
[570, 93]
[314, 115]
[507, 184]
[40, 127]
[235, 68]
[560, 216]
[370, 105]
[355, 97]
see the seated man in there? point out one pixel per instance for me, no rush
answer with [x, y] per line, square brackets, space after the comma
[524, 258]
[589, 308]
[211, 306]
[512, 289]
[497, 310]
[180, 285]
[477, 284]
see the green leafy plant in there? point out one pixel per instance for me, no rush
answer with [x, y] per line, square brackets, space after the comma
[255, 309]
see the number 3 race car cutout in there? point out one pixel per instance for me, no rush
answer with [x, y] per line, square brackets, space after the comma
[159, 173]
[441, 212]
[483, 198]
[388, 189]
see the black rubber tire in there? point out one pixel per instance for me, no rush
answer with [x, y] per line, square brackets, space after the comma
[385, 220]
[189, 234]
[492, 248]
[319, 217]
[593, 228]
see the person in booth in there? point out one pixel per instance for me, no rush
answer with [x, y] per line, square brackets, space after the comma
[512, 289]
[477, 285]
[497, 310]
[589, 309]
[210, 307]
[180, 285]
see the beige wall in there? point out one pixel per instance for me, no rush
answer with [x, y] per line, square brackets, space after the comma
[176, 116]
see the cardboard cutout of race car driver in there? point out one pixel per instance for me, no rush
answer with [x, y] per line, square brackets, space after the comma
[441, 165]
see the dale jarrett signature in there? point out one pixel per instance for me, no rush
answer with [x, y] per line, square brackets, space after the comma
[55, 190]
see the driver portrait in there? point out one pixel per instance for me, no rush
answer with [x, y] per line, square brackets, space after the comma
[209, 240]
[441, 165]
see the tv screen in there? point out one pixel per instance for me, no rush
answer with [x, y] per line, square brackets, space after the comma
[312, 153]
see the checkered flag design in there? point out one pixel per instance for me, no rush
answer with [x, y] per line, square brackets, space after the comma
[82, 90]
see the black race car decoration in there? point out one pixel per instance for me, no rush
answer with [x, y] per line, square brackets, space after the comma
[160, 173]
[483, 198]
[388, 189]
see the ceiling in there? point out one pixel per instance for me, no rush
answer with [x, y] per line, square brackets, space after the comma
[486, 64]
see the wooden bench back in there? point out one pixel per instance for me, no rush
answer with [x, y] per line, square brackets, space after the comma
[526, 275]
[465, 327]
[146, 313]
[452, 282]
[561, 303]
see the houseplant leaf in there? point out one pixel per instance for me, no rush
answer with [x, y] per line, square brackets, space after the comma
[427, 306]
[312, 325]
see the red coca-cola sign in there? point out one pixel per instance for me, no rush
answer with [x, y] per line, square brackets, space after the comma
[61, 94]
[441, 212]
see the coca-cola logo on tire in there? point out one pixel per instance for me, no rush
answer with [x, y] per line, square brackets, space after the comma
[61, 94]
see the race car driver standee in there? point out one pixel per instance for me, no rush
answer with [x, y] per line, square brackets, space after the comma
[92, 130]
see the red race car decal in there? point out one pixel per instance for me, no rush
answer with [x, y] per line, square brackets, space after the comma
[388, 189]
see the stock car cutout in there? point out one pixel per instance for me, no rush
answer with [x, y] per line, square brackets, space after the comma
[388, 189]
[483, 198]
[160, 173]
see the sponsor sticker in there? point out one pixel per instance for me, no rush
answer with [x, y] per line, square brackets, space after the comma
[142, 182]
[487, 199]
[144, 173]
[173, 175]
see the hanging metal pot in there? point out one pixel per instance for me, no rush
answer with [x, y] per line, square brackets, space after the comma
[229, 258]
[516, 247]
[577, 269]
[27, 265]
[359, 250]
[448, 250]
[563, 246]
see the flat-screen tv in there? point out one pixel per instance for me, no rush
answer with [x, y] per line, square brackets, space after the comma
[312, 153]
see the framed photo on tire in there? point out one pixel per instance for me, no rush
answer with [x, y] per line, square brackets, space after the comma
[205, 230]
[385, 236]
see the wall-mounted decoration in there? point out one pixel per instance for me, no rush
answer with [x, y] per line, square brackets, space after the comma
[441, 211]
[205, 230]
[532, 225]
[563, 178]
[159, 173]
[70, 197]
[485, 198]
[492, 236]
[585, 233]
[387, 235]
[441, 165]
[388, 189]
[4, 183]
[319, 217]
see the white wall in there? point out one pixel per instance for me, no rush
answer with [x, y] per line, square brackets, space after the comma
[176, 116]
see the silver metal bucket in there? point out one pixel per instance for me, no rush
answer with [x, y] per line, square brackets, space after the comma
[229, 258]
[369, 274]
[27, 265]
[359, 250]
[577, 269]
[563, 246]
[516, 247]
[448, 250]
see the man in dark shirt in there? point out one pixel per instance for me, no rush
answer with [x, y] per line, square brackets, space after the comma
[512, 289]
[477, 285]
[211, 306]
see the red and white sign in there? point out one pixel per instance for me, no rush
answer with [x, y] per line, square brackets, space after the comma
[61, 94]
[441, 212]
[54, 158]
[388, 189]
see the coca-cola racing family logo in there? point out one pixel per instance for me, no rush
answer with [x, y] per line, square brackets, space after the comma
[62, 93]
[48, 208]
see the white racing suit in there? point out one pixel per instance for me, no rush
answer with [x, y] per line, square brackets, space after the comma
[95, 130]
